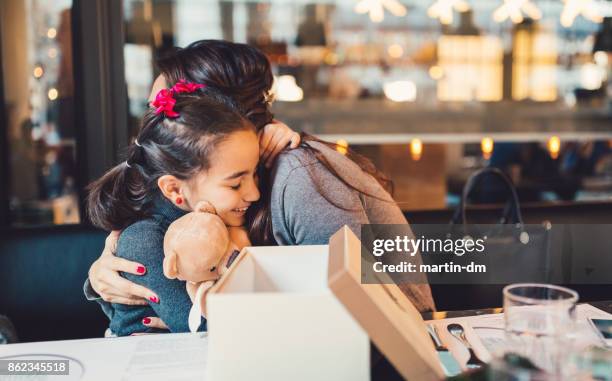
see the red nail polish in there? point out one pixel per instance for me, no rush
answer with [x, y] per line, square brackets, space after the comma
[140, 270]
[154, 299]
[146, 321]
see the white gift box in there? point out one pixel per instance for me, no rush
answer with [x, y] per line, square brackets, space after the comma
[301, 313]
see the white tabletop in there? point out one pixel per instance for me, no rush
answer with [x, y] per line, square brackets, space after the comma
[168, 357]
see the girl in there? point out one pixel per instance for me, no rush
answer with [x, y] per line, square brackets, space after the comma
[189, 149]
[308, 195]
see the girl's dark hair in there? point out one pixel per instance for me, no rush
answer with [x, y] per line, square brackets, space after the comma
[179, 146]
[243, 73]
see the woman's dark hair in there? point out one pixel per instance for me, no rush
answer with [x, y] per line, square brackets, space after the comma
[243, 73]
[178, 146]
[238, 71]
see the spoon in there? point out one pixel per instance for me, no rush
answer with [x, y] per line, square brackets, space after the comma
[459, 333]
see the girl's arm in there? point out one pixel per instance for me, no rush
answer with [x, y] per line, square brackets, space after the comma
[274, 138]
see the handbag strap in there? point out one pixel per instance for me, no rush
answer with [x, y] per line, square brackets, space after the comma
[512, 210]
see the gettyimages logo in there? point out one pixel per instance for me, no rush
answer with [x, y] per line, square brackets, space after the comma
[429, 246]
[424, 245]
[486, 254]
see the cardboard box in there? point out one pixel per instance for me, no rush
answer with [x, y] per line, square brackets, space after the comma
[301, 313]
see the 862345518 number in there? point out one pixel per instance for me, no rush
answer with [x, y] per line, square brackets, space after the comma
[34, 367]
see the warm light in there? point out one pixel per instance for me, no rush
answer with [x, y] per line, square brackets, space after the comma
[534, 66]
[400, 91]
[574, 8]
[38, 72]
[52, 53]
[342, 146]
[601, 58]
[287, 90]
[472, 68]
[486, 145]
[331, 59]
[52, 33]
[554, 146]
[591, 76]
[416, 149]
[376, 8]
[52, 94]
[514, 10]
[436, 72]
[395, 51]
[443, 10]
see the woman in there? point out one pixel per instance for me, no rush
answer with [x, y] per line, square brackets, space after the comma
[339, 190]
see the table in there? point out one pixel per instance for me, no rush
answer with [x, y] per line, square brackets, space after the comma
[605, 305]
[168, 357]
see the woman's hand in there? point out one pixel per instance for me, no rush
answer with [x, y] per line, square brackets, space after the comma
[154, 322]
[106, 281]
[274, 138]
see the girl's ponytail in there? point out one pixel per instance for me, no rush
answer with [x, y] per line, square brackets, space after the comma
[117, 199]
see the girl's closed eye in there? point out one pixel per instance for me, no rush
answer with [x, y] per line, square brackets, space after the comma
[236, 186]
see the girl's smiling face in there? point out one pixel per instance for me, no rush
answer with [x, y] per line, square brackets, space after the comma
[230, 183]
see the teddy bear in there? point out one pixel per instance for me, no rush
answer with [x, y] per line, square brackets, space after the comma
[198, 249]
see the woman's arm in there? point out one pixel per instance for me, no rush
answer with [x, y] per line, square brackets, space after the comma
[174, 304]
[105, 283]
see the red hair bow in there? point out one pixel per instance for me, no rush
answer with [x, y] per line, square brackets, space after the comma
[186, 87]
[164, 101]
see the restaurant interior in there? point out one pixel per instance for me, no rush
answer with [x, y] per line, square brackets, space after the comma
[430, 90]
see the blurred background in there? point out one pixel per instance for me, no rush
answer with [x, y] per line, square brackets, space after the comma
[430, 90]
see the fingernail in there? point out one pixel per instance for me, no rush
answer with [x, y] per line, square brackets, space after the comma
[154, 299]
[146, 321]
[140, 270]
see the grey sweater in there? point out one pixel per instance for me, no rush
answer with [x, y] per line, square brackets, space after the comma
[143, 242]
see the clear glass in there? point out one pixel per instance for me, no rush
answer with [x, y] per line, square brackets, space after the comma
[39, 104]
[539, 320]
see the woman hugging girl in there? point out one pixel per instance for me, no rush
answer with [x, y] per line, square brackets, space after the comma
[302, 197]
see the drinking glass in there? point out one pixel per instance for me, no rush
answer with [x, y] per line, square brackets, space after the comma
[539, 319]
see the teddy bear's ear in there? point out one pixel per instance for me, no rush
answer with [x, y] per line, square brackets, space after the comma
[205, 207]
[170, 270]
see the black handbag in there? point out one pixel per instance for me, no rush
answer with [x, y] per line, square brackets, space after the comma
[514, 252]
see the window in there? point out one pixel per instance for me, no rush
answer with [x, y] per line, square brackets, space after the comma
[423, 88]
[39, 124]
